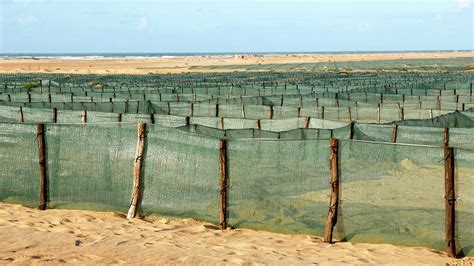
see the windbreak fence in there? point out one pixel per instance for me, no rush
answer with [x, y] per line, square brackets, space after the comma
[389, 193]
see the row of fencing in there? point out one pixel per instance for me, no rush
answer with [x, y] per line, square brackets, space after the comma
[361, 191]
[379, 114]
[293, 100]
[371, 157]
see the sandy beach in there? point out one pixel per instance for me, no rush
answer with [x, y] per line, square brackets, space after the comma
[83, 237]
[173, 65]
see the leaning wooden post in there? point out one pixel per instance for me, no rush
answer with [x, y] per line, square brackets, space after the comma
[394, 133]
[333, 205]
[223, 179]
[42, 166]
[307, 121]
[450, 200]
[137, 171]
[22, 117]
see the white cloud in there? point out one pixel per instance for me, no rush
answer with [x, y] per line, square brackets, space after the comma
[464, 4]
[142, 23]
[27, 20]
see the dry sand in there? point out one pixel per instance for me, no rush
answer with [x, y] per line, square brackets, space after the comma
[30, 236]
[184, 64]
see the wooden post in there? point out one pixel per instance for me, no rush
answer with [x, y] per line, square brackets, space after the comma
[322, 112]
[298, 112]
[84, 116]
[217, 110]
[446, 137]
[307, 121]
[333, 205]
[402, 114]
[191, 109]
[223, 179]
[394, 133]
[221, 122]
[187, 120]
[271, 112]
[243, 110]
[49, 97]
[351, 136]
[350, 114]
[168, 112]
[152, 118]
[431, 113]
[137, 171]
[55, 115]
[22, 117]
[450, 200]
[257, 124]
[42, 166]
[119, 117]
[378, 113]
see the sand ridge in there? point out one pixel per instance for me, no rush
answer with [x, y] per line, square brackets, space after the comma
[84, 237]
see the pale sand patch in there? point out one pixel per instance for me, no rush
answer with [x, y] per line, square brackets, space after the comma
[184, 64]
[55, 236]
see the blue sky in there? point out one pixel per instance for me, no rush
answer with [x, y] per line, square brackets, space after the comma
[112, 26]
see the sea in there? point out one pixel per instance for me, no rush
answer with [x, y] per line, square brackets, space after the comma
[92, 56]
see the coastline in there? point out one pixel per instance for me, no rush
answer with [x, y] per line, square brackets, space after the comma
[201, 63]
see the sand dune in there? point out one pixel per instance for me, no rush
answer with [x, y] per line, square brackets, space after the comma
[66, 236]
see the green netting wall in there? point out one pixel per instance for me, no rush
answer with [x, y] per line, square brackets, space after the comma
[391, 194]
[181, 175]
[19, 175]
[89, 167]
[464, 191]
[279, 186]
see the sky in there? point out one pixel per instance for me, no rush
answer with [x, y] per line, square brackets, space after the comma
[200, 26]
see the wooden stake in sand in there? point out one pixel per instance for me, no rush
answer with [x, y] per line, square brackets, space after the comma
[137, 171]
[84, 117]
[223, 179]
[42, 166]
[22, 117]
[307, 121]
[446, 137]
[351, 136]
[450, 200]
[55, 115]
[333, 205]
[394, 133]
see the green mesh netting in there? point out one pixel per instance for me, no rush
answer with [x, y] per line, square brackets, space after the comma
[391, 194]
[19, 177]
[181, 175]
[90, 167]
[464, 191]
[280, 186]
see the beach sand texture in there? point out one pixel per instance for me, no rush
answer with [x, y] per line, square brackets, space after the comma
[83, 237]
